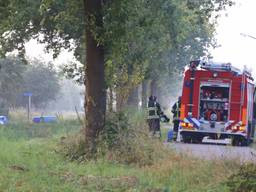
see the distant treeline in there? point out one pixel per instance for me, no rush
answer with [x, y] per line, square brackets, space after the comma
[18, 78]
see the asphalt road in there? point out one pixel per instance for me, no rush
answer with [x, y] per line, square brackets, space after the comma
[213, 152]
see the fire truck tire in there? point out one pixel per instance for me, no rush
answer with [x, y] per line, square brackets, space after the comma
[245, 142]
[186, 139]
[236, 141]
[197, 140]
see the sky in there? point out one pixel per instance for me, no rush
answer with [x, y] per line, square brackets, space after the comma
[35, 50]
[235, 48]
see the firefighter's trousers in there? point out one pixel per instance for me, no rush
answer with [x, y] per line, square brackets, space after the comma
[154, 126]
[175, 128]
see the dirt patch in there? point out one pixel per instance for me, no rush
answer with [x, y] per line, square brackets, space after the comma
[115, 182]
[18, 168]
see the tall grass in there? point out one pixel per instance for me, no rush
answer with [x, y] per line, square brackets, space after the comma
[19, 128]
[31, 160]
[26, 131]
[124, 139]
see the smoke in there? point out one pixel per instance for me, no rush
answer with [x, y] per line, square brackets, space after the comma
[70, 98]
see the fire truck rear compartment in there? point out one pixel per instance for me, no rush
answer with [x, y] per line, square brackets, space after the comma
[214, 105]
[214, 102]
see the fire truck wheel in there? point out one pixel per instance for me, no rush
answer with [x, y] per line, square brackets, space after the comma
[197, 140]
[245, 142]
[186, 139]
[236, 141]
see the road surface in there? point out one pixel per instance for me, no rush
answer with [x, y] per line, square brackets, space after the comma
[212, 152]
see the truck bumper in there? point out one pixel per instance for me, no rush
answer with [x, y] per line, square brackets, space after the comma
[217, 141]
[210, 133]
[198, 136]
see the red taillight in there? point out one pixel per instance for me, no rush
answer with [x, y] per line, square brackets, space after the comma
[241, 128]
[187, 125]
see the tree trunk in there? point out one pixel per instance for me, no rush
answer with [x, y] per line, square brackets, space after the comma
[119, 100]
[110, 99]
[95, 81]
[144, 94]
[133, 99]
[153, 88]
[160, 97]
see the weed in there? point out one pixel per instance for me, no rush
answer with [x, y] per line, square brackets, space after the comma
[122, 140]
[243, 180]
[30, 160]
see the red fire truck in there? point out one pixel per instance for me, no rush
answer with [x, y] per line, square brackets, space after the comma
[217, 104]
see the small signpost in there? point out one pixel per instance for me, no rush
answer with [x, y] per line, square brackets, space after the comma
[29, 95]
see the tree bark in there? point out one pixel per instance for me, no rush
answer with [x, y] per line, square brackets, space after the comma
[95, 106]
[144, 94]
[110, 99]
[120, 101]
[153, 88]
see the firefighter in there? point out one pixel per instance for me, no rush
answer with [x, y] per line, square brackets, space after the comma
[176, 118]
[154, 112]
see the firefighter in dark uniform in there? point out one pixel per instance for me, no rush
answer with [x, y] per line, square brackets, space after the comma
[154, 112]
[176, 118]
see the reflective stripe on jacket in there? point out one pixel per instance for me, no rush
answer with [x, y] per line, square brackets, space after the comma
[176, 111]
[152, 112]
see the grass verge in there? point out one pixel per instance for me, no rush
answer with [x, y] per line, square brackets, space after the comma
[30, 160]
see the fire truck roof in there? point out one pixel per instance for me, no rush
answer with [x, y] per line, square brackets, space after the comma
[216, 66]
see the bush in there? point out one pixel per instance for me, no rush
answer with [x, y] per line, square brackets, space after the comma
[125, 139]
[73, 147]
[244, 180]
[116, 128]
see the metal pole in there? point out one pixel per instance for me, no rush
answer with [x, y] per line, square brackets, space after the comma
[29, 105]
[246, 35]
[192, 80]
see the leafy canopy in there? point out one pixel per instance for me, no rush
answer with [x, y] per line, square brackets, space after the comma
[142, 38]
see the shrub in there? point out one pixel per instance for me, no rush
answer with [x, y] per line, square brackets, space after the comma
[244, 180]
[73, 147]
[123, 140]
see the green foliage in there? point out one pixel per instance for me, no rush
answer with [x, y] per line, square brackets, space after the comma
[11, 82]
[19, 129]
[33, 162]
[62, 25]
[130, 143]
[116, 124]
[122, 141]
[17, 78]
[244, 180]
[51, 22]
[42, 81]
[155, 39]
[142, 39]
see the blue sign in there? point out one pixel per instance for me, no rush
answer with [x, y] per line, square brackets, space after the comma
[28, 94]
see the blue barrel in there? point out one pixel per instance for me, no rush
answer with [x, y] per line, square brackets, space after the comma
[170, 135]
[45, 119]
[3, 120]
[36, 119]
[49, 119]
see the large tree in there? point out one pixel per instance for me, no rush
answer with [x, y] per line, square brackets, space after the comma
[95, 74]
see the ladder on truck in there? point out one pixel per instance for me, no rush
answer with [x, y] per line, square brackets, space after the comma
[224, 67]
[220, 67]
